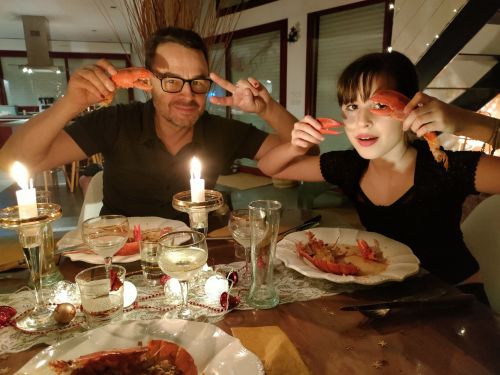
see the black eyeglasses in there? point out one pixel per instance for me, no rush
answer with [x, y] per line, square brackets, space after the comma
[175, 84]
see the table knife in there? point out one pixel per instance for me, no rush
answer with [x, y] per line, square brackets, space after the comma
[310, 223]
[440, 302]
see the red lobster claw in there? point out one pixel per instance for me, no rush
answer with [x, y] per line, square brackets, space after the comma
[327, 124]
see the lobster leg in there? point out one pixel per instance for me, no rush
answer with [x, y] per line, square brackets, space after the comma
[327, 124]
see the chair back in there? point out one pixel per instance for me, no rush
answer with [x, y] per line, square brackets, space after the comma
[92, 202]
[481, 230]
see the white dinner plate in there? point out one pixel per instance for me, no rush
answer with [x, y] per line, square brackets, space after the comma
[214, 351]
[401, 262]
[74, 237]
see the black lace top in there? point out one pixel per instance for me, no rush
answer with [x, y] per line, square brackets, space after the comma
[426, 217]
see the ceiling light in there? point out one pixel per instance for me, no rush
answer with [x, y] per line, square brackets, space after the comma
[391, 6]
[436, 36]
[455, 10]
[389, 49]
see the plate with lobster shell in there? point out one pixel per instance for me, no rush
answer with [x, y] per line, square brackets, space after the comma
[151, 225]
[214, 351]
[389, 260]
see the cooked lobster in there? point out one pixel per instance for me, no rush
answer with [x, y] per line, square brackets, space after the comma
[158, 357]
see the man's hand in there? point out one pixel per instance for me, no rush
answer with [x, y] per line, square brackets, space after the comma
[247, 95]
[90, 84]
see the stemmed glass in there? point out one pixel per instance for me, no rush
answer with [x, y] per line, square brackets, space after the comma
[182, 255]
[105, 235]
[239, 226]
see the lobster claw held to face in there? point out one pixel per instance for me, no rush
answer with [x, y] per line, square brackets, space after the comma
[327, 124]
[392, 103]
[128, 78]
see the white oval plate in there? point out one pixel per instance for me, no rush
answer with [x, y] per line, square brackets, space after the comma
[401, 262]
[74, 237]
[214, 351]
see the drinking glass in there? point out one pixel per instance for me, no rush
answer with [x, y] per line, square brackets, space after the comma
[182, 255]
[100, 302]
[149, 262]
[239, 226]
[264, 221]
[105, 235]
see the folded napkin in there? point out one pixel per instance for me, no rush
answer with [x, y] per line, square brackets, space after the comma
[274, 349]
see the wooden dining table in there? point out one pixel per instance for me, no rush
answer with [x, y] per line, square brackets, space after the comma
[463, 340]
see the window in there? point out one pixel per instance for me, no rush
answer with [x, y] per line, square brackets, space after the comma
[25, 89]
[258, 52]
[31, 90]
[336, 37]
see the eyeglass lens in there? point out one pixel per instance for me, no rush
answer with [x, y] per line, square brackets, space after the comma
[173, 85]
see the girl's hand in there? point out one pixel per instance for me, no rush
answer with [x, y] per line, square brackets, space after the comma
[426, 114]
[306, 133]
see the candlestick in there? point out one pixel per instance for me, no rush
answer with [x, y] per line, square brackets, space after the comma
[26, 197]
[197, 183]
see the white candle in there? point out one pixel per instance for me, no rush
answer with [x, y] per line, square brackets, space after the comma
[197, 184]
[26, 197]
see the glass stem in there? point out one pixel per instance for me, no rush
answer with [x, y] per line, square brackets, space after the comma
[30, 239]
[184, 311]
[107, 264]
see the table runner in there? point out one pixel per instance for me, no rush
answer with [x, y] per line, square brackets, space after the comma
[152, 303]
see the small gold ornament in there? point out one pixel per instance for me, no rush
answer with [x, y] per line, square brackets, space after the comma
[382, 343]
[64, 313]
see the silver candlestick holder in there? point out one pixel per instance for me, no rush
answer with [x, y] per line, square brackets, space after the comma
[198, 211]
[30, 238]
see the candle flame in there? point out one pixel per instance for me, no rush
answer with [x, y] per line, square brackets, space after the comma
[20, 174]
[195, 168]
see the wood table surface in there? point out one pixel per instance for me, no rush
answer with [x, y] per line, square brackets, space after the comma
[465, 340]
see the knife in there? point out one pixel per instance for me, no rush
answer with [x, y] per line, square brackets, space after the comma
[310, 223]
[440, 302]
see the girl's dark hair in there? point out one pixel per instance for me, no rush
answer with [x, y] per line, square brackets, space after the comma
[398, 71]
[186, 38]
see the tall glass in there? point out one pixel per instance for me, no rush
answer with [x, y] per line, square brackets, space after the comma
[105, 235]
[182, 255]
[239, 226]
[264, 222]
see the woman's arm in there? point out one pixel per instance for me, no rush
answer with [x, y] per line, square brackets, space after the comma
[488, 175]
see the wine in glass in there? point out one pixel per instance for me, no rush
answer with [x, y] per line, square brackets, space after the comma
[105, 235]
[239, 226]
[182, 255]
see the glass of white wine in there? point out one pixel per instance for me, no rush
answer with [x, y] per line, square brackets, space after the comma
[105, 235]
[239, 227]
[182, 255]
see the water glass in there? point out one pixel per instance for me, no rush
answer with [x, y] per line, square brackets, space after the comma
[264, 222]
[100, 304]
[149, 262]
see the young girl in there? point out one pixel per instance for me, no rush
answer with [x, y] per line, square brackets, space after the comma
[397, 187]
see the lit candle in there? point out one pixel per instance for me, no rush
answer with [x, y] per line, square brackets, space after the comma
[197, 184]
[26, 197]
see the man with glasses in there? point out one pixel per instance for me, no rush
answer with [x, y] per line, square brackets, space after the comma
[147, 147]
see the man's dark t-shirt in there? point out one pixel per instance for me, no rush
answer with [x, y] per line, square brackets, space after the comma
[140, 175]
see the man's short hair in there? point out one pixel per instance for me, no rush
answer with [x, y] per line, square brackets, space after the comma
[186, 38]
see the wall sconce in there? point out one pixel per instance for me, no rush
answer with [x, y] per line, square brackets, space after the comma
[293, 34]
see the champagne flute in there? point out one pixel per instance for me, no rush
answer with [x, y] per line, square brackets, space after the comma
[105, 235]
[182, 255]
[239, 226]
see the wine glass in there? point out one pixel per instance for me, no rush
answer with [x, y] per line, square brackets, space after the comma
[105, 235]
[182, 255]
[239, 226]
